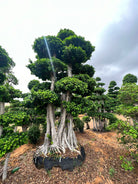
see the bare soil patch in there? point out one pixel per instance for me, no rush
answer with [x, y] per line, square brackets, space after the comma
[102, 154]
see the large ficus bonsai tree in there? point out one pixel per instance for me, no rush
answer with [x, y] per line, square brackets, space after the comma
[69, 52]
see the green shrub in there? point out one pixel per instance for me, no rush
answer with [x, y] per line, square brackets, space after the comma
[112, 119]
[33, 134]
[129, 133]
[7, 131]
[129, 137]
[9, 143]
[78, 124]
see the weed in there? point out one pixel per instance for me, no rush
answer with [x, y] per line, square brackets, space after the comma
[49, 173]
[93, 139]
[126, 164]
[112, 172]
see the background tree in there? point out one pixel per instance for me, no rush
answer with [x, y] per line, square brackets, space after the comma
[129, 78]
[101, 114]
[7, 92]
[128, 96]
[113, 89]
[99, 99]
[112, 101]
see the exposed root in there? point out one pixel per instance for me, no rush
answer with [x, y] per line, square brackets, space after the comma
[51, 149]
[54, 149]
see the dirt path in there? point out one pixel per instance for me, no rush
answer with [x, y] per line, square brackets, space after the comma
[102, 156]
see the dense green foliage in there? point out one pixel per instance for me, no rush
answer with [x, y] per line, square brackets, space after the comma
[79, 42]
[33, 134]
[44, 97]
[6, 63]
[129, 78]
[42, 68]
[128, 96]
[78, 124]
[129, 133]
[7, 91]
[64, 33]
[10, 142]
[71, 84]
[72, 54]
[18, 118]
[55, 45]
[112, 94]
[83, 69]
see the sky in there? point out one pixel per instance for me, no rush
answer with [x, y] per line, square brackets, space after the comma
[110, 25]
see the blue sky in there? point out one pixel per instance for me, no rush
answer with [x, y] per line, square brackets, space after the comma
[110, 25]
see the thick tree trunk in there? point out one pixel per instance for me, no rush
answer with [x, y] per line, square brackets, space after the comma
[1, 130]
[69, 71]
[15, 129]
[64, 136]
[61, 126]
[24, 128]
[51, 112]
[2, 108]
[96, 124]
[93, 123]
[51, 134]
[47, 134]
[71, 135]
[88, 127]
[52, 123]
[62, 122]
[52, 83]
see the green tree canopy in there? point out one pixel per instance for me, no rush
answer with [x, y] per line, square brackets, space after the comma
[6, 64]
[8, 93]
[43, 69]
[79, 41]
[128, 94]
[83, 69]
[55, 45]
[72, 85]
[36, 85]
[129, 78]
[64, 33]
[72, 55]
[128, 97]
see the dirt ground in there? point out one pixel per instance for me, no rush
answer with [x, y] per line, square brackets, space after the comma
[102, 157]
